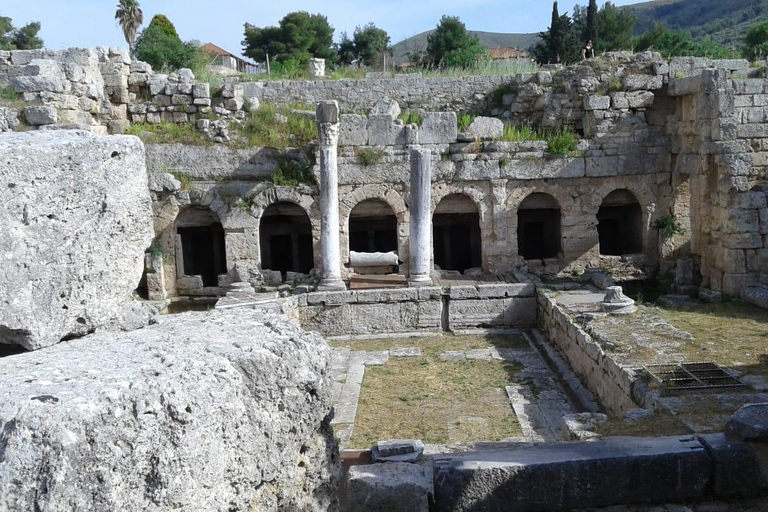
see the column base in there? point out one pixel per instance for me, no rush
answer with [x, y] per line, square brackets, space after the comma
[331, 285]
[419, 280]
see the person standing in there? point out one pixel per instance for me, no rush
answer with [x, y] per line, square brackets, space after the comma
[588, 52]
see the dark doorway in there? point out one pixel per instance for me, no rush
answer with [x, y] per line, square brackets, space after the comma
[456, 234]
[619, 224]
[204, 252]
[285, 232]
[372, 227]
[538, 227]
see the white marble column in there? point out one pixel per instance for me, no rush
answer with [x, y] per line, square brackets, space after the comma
[328, 136]
[421, 218]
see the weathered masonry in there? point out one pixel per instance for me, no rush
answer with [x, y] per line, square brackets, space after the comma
[677, 143]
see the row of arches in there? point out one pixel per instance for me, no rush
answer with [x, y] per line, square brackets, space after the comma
[286, 233]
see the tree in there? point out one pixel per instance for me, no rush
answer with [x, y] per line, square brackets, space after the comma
[450, 45]
[366, 47]
[559, 44]
[615, 28]
[675, 43]
[756, 42]
[24, 38]
[299, 37]
[591, 32]
[160, 46]
[130, 17]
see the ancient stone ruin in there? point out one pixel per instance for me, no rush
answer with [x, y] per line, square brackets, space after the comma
[424, 224]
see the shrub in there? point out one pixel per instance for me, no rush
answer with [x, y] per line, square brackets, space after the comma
[463, 120]
[369, 156]
[668, 226]
[561, 142]
[290, 172]
[411, 117]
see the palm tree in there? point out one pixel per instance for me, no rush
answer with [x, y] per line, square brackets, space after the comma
[130, 18]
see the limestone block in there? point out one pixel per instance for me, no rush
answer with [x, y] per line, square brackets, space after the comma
[390, 486]
[188, 284]
[643, 82]
[382, 131]
[477, 170]
[75, 219]
[619, 100]
[186, 75]
[538, 168]
[353, 130]
[181, 99]
[138, 66]
[9, 119]
[594, 102]
[157, 393]
[757, 295]
[386, 106]
[486, 127]
[24, 84]
[201, 90]
[234, 104]
[40, 115]
[640, 99]
[438, 128]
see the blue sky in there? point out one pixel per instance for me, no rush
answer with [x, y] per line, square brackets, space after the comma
[68, 23]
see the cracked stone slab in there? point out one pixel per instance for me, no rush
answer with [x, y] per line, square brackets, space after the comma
[405, 352]
[376, 358]
[453, 356]
[482, 354]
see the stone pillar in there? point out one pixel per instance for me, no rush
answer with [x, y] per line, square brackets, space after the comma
[421, 219]
[328, 136]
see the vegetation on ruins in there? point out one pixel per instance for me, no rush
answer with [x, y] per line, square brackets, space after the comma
[278, 127]
[463, 120]
[411, 117]
[614, 27]
[368, 46]
[668, 226]
[22, 38]
[756, 42]
[299, 37]
[160, 46]
[450, 46]
[169, 133]
[291, 171]
[369, 156]
[559, 142]
[130, 17]
[674, 43]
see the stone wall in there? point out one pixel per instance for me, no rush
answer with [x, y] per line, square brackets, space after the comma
[611, 383]
[362, 312]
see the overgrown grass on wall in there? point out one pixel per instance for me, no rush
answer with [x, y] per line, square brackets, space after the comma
[279, 127]
[559, 142]
[169, 133]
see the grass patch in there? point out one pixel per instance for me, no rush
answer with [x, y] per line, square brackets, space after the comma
[525, 132]
[463, 120]
[561, 142]
[278, 127]
[411, 117]
[10, 97]
[369, 156]
[184, 179]
[433, 400]
[291, 172]
[668, 226]
[169, 133]
[658, 425]
[733, 333]
[244, 203]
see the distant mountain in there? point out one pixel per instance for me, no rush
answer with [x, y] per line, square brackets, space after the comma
[418, 43]
[723, 21]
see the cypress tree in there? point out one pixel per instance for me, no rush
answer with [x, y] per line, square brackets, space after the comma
[592, 22]
[556, 41]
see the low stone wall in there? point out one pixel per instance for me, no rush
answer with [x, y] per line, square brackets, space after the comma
[613, 384]
[428, 309]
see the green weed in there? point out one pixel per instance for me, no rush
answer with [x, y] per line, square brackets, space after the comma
[368, 156]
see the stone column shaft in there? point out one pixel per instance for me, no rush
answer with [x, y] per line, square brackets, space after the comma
[328, 136]
[421, 218]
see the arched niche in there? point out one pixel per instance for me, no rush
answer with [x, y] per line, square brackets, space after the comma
[539, 227]
[620, 224]
[285, 236]
[456, 237]
[372, 227]
[201, 242]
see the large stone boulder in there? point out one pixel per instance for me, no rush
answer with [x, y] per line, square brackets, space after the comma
[219, 411]
[75, 220]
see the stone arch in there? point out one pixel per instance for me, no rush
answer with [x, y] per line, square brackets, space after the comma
[456, 233]
[386, 194]
[200, 248]
[285, 238]
[539, 227]
[308, 203]
[481, 197]
[619, 224]
[569, 216]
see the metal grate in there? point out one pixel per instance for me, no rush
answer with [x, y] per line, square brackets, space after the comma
[681, 377]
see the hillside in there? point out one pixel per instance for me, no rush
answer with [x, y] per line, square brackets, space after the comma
[724, 21]
[418, 43]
